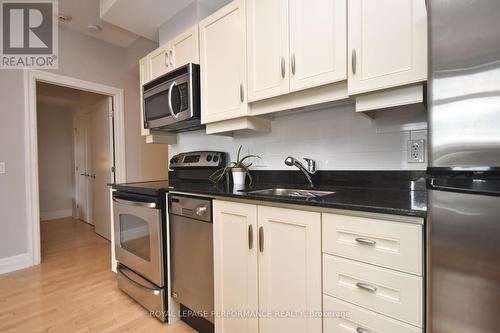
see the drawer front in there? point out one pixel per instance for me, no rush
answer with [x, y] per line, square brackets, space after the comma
[397, 295]
[357, 319]
[395, 245]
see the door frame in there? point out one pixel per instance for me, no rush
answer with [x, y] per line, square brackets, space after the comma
[31, 77]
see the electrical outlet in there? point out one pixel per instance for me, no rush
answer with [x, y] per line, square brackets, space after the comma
[416, 151]
[2, 168]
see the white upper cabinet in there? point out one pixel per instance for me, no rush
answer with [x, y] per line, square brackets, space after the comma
[223, 64]
[387, 44]
[185, 48]
[318, 42]
[294, 45]
[268, 54]
[159, 61]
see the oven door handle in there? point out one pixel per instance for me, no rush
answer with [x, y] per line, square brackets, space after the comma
[155, 291]
[135, 203]
[170, 108]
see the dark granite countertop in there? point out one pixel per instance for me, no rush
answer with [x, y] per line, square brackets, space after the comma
[369, 199]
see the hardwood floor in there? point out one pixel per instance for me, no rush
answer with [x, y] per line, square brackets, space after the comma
[73, 290]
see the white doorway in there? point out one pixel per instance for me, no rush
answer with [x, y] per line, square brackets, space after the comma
[32, 77]
[94, 164]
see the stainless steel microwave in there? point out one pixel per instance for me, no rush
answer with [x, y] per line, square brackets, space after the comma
[172, 102]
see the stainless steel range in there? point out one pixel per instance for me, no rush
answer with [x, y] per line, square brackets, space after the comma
[141, 239]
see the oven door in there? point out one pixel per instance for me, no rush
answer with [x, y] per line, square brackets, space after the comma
[168, 102]
[138, 238]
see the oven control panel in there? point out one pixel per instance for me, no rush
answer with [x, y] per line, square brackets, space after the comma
[198, 159]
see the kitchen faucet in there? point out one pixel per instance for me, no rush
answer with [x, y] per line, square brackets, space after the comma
[310, 170]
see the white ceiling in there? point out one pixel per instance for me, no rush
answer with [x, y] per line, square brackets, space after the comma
[143, 17]
[85, 12]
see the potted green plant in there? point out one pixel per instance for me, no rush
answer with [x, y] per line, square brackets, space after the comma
[238, 168]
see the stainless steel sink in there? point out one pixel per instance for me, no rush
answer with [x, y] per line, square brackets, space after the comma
[288, 192]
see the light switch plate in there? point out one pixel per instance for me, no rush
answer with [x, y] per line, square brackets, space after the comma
[2, 168]
[416, 151]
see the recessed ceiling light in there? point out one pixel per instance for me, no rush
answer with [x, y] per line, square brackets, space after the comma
[63, 18]
[94, 28]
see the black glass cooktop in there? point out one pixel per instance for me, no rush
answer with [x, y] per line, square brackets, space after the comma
[154, 187]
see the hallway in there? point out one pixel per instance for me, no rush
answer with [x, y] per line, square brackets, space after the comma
[73, 290]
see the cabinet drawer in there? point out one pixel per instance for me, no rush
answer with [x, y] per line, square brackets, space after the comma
[392, 293]
[394, 245]
[357, 319]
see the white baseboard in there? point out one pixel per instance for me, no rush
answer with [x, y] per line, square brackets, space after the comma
[58, 214]
[16, 262]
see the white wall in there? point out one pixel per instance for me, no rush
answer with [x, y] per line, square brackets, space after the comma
[81, 57]
[55, 161]
[337, 138]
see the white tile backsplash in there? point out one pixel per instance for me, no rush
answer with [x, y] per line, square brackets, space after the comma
[337, 138]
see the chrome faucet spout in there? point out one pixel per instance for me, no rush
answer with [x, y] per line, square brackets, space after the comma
[311, 167]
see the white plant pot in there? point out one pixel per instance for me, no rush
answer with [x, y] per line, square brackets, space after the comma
[239, 176]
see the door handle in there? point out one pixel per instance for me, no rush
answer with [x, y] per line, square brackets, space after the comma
[293, 63]
[261, 239]
[283, 67]
[155, 291]
[362, 330]
[135, 203]
[170, 108]
[171, 58]
[250, 236]
[365, 241]
[167, 60]
[366, 286]
[353, 61]
[242, 93]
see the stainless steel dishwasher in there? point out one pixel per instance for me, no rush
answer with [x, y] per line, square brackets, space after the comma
[192, 262]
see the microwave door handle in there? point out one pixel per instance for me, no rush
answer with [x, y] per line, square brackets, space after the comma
[170, 108]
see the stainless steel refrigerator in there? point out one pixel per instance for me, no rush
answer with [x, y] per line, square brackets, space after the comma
[463, 226]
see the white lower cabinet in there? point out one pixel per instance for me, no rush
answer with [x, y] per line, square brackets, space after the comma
[284, 247]
[343, 317]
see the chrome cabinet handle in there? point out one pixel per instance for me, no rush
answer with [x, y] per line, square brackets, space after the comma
[135, 203]
[293, 63]
[283, 67]
[353, 61]
[261, 239]
[170, 108]
[167, 60]
[366, 286]
[250, 236]
[362, 330]
[171, 58]
[155, 292]
[366, 241]
[242, 93]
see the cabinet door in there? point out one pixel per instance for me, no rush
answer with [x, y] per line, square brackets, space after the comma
[223, 63]
[289, 270]
[318, 42]
[267, 42]
[387, 44]
[159, 61]
[185, 48]
[235, 260]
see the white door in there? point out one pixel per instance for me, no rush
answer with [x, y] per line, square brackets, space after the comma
[289, 270]
[223, 63]
[235, 260]
[102, 162]
[185, 48]
[267, 48]
[387, 44]
[82, 168]
[318, 42]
